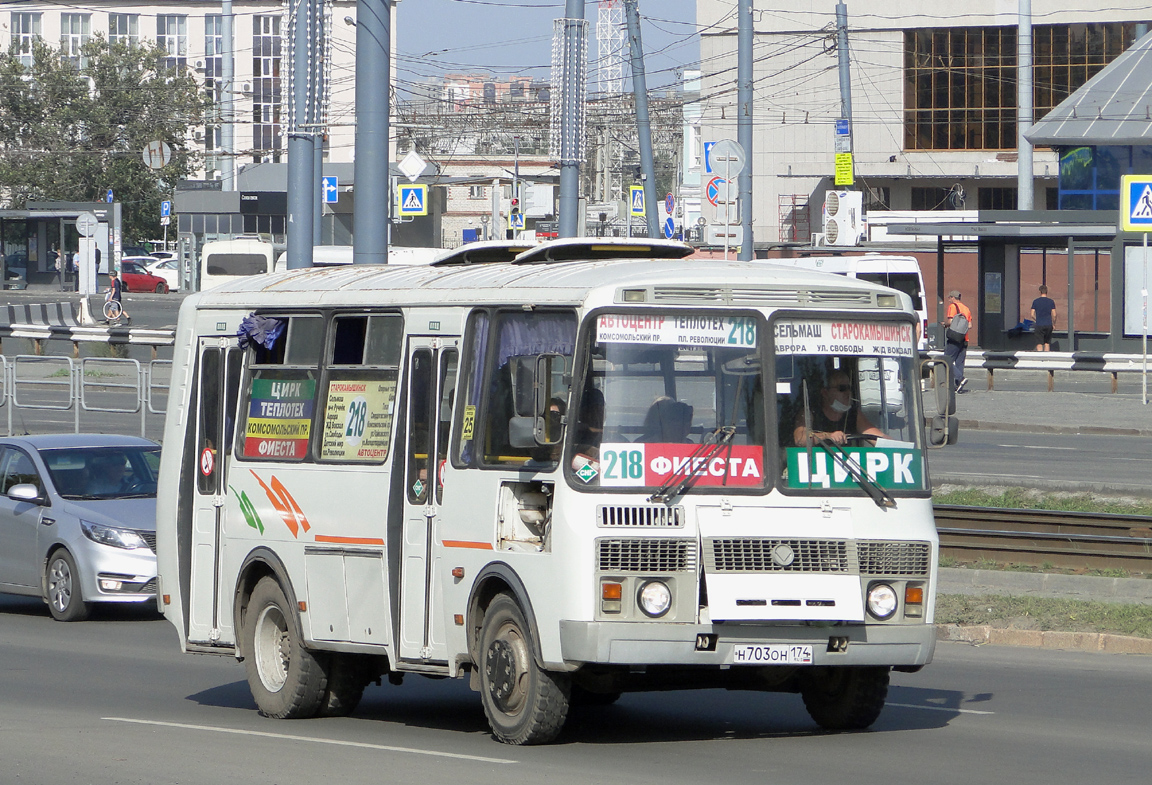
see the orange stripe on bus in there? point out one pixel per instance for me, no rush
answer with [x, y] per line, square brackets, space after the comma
[350, 540]
[482, 546]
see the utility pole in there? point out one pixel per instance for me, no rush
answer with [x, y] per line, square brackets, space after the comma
[301, 193]
[319, 118]
[845, 72]
[745, 41]
[1024, 180]
[227, 102]
[643, 124]
[569, 74]
[370, 213]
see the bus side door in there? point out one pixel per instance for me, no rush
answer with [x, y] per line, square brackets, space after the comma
[431, 379]
[218, 388]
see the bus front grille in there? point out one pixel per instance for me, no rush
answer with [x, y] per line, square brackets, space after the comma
[894, 558]
[656, 516]
[751, 554]
[654, 555]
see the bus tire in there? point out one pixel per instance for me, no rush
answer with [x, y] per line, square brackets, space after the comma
[347, 678]
[524, 703]
[845, 698]
[287, 680]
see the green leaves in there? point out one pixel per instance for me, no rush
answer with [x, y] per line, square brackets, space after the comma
[70, 135]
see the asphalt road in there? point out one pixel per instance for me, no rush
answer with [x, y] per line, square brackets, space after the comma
[1051, 461]
[113, 701]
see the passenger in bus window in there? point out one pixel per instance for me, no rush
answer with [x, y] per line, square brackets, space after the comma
[589, 429]
[836, 416]
[667, 421]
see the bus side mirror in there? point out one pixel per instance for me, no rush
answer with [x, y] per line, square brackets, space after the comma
[943, 429]
[939, 403]
[551, 397]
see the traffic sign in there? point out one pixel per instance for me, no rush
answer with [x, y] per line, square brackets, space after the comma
[1136, 203]
[669, 228]
[109, 197]
[708, 157]
[516, 220]
[669, 204]
[330, 185]
[715, 190]
[637, 199]
[728, 158]
[156, 155]
[86, 224]
[165, 208]
[412, 200]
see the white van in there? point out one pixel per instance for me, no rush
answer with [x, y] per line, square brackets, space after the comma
[223, 260]
[899, 272]
[337, 255]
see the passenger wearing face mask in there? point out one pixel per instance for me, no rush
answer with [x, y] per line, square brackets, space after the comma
[836, 417]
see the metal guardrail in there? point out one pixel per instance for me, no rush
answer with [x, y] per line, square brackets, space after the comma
[110, 385]
[1050, 362]
[1045, 537]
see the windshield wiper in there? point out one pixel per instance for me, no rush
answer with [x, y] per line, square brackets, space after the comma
[684, 478]
[839, 455]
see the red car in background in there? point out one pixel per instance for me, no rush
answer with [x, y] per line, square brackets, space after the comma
[135, 278]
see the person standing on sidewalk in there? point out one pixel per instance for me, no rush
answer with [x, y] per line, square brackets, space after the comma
[1043, 319]
[956, 350]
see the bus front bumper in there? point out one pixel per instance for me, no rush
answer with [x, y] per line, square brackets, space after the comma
[631, 643]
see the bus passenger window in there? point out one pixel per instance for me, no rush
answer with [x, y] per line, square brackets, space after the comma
[419, 425]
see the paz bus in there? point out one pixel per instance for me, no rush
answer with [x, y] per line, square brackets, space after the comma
[593, 469]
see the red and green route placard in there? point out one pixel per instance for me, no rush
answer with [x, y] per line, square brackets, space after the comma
[279, 418]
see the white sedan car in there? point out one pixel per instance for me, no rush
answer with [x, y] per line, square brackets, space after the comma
[169, 270]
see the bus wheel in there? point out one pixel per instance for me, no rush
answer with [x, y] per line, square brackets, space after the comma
[287, 680]
[845, 698]
[347, 678]
[524, 703]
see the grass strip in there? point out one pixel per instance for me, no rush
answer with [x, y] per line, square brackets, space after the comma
[1026, 499]
[1048, 614]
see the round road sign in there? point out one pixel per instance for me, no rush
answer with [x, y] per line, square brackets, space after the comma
[86, 224]
[207, 461]
[727, 158]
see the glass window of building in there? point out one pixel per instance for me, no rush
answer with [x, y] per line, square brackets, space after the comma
[25, 30]
[75, 31]
[960, 82]
[266, 62]
[124, 29]
[213, 71]
[172, 37]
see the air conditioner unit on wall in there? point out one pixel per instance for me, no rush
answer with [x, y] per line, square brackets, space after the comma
[843, 217]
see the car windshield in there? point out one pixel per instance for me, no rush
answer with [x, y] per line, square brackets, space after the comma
[671, 402]
[103, 472]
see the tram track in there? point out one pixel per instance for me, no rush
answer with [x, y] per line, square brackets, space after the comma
[1038, 538]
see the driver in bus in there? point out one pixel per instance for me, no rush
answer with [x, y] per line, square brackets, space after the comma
[589, 429]
[836, 417]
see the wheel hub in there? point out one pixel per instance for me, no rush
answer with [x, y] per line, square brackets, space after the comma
[500, 665]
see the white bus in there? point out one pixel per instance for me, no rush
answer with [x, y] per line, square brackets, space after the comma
[561, 480]
[899, 272]
[338, 255]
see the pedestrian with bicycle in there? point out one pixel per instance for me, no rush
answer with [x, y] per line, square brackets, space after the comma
[114, 304]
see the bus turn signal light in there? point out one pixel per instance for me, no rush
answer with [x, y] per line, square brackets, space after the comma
[610, 595]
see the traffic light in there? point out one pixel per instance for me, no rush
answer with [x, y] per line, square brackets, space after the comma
[515, 205]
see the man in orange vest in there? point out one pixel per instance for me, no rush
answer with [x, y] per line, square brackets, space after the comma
[957, 350]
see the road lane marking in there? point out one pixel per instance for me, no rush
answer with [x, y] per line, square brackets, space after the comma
[938, 708]
[287, 737]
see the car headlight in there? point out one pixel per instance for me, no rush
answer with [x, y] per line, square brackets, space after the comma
[110, 535]
[882, 601]
[654, 598]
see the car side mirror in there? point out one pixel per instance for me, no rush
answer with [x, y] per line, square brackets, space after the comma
[25, 492]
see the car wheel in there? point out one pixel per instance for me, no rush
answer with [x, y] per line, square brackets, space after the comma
[161, 288]
[525, 704]
[62, 588]
[287, 680]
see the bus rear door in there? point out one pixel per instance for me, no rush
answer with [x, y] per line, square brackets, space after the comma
[431, 378]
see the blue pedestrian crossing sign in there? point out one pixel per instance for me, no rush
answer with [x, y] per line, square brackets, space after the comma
[1136, 203]
[330, 185]
[637, 199]
[412, 200]
[516, 221]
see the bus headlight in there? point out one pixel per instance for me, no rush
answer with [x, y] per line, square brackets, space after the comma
[654, 598]
[882, 601]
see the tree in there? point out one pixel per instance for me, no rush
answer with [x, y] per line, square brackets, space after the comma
[70, 131]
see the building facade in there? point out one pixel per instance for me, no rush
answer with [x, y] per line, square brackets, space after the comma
[933, 97]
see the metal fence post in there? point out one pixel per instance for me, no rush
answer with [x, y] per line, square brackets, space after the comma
[143, 379]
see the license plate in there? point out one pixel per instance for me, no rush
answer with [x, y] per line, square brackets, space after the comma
[772, 654]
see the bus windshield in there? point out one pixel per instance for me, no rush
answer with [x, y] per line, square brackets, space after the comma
[846, 401]
[671, 399]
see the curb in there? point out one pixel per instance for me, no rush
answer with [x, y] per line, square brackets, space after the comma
[980, 635]
[1092, 430]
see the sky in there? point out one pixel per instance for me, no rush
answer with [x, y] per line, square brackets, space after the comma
[514, 37]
